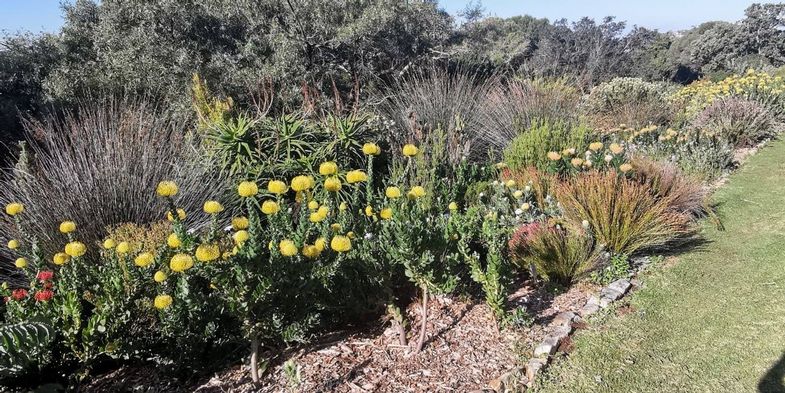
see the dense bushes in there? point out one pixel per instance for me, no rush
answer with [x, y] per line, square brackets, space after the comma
[629, 101]
[739, 121]
[531, 147]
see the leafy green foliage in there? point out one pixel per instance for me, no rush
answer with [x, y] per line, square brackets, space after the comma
[23, 345]
[530, 148]
[618, 267]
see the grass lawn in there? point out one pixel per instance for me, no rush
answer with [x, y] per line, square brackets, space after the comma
[712, 322]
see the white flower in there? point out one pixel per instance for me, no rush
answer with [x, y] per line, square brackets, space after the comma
[527, 188]
[191, 231]
[495, 182]
[228, 229]
[585, 224]
[482, 194]
[518, 212]
[608, 158]
[368, 236]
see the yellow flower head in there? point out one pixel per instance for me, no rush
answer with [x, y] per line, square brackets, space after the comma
[270, 207]
[239, 223]
[350, 235]
[159, 276]
[166, 188]
[302, 183]
[369, 211]
[341, 244]
[67, 226]
[453, 206]
[313, 205]
[625, 167]
[75, 249]
[287, 248]
[595, 146]
[310, 251]
[180, 215]
[320, 243]
[20, 263]
[517, 193]
[386, 213]
[392, 192]
[109, 244]
[60, 258]
[14, 208]
[207, 252]
[332, 184]
[554, 156]
[13, 244]
[328, 168]
[336, 227]
[510, 183]
[173, 241]
[317, 217]
[616, 148]
[371, 149]
[162, 301]
[247, 189]
[181, 262]
[123, 248]
[213, 207]
[576, 162]
[410, 150]
[356, 176]
[277, 187]
[525, 207]
[144, 259]
[416, 192]
[343, 206]
[500, 165]
[240, 237]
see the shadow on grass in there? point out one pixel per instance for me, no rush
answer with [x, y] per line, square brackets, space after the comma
[771, 382]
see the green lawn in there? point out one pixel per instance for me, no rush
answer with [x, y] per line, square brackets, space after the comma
[712, 322]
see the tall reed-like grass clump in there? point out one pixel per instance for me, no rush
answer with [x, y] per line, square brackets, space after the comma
[740, 121]
[96, 165]
[621, 214]
[665, 181]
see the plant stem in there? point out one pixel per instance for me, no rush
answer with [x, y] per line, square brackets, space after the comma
[423, 324]
[401, 333]
[255, 359]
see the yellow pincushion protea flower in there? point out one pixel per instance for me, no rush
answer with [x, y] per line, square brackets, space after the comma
[180, 215]
[371, 149]
[166, 189]
[14, 208]
[410, 150]
[320, 243]
[517, 193]
[207, 252]
[332, 184]
[625, 167]
[60, 258]
[313, 205]
[453, 206]
[213, 207]
[416, 192]
[109, 244]
[369, 211]
[341, 244]
[302, 183]
[247, 189]
[75, 249]
[181, 262]
[144, 259]
[616, 148]
[310, 251]
[510, 183]
[343, 206]
[277, 187]
[159, 276]
[13, 244]
[525, 207]
[386, 213]
[20, 263]
[328, 168]
[270, 207]
[239, 223]
[173, 241]
[356, 176]
[123, 248]
[392, 192]
[317, 217]
[287, 248]
[595, 146]
[162, 301]
[554, 156]
[241, 237]
[576, 162]
[67, 226]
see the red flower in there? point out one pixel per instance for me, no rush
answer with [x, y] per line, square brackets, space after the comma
[19, 294]
[45, 275]
[45, 295]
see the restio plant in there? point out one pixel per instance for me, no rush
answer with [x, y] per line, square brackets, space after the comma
[741, 122]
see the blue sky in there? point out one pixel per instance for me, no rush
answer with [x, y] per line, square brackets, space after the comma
[45, 15]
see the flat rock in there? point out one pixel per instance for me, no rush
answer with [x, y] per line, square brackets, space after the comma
[532, 368]
[564, 319]
[610, 294]
[561, 332]
[591, 307]
[621, 285]
[547, 347]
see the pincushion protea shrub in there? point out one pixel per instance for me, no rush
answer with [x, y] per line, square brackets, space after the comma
[622, 214]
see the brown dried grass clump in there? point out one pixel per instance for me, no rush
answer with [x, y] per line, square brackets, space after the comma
[665, 180]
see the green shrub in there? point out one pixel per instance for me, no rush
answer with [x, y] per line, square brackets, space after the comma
[618, 267]
[631, 102]
[530, 148]
[23, 345]
[621, 214]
